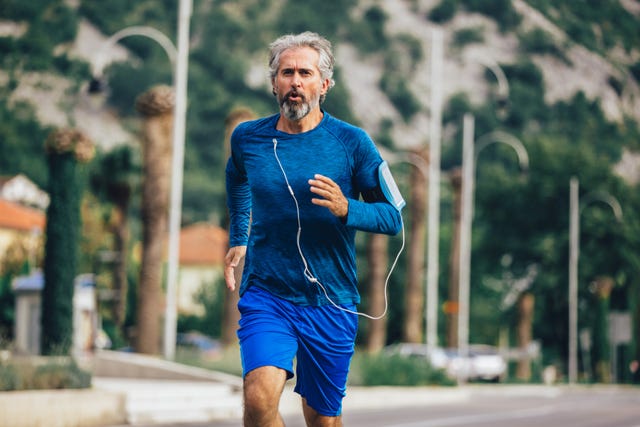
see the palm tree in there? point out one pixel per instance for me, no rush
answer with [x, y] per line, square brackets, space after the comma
[156, 106]
[414, 296]
[455, 177]
[230, 313]
[377, 256]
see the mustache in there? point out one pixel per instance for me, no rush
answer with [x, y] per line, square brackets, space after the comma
[291, 93]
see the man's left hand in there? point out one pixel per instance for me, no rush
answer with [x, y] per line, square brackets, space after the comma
[332, 197]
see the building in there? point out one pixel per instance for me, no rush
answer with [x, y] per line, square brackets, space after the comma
[22, 217]
[20, 226]
[20, 189]
[203, 247]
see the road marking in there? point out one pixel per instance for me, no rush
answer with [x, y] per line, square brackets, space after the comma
[465, 419]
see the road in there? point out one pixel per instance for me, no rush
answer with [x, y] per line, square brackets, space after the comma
[495, 406]
[584, 409]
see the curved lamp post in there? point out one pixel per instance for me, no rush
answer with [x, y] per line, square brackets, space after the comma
[100, 61]
[469, 158]
[179, 60]
[575, 209]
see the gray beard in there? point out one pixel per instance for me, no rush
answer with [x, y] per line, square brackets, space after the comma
[298, 111]
[293, 111]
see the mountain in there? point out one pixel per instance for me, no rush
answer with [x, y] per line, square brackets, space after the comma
[397, 110]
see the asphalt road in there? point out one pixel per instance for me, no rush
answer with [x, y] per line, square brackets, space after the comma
[496, 406]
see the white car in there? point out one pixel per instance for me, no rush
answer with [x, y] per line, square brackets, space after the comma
[483, 362]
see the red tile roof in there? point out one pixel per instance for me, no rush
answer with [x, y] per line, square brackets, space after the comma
[203, 244]
[17, 217]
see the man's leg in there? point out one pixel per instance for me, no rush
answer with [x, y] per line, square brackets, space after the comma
[314, 419]
[262, 390]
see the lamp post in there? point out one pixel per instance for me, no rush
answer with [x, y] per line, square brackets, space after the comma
[433, 208]
[177, 169]
[179, 60]
[469, 157]
[575, 208]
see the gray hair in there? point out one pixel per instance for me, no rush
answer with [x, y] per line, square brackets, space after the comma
[315, 41]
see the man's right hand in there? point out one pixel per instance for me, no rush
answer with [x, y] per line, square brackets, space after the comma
[231, 261]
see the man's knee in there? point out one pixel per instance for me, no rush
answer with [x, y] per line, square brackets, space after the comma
[262, 390]
[314, 419]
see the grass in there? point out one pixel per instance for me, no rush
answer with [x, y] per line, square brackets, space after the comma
[42, 373]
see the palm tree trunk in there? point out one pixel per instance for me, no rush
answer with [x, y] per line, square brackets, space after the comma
[451, 308]
[156, 106]
[378, 259]
[525, 325]
[414, 302]
[230, 313]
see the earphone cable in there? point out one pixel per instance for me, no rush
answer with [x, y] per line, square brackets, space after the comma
[307, 272]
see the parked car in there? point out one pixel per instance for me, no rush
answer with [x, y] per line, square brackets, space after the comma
[482, 363]
[201, 344]
[436, 356]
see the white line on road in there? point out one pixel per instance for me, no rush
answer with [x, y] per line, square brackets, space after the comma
[461, 420]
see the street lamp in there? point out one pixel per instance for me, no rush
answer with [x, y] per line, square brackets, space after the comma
[431, 173]
[433, 208]
[179, 60]
[575, 208]
[501, 78]
[469, 158]
[97, 84]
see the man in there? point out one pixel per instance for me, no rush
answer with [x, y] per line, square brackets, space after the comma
[298, 176]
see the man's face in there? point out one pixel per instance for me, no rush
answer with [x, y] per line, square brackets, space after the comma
[298, 83]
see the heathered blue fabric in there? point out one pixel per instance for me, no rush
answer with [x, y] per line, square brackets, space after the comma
[258, 198]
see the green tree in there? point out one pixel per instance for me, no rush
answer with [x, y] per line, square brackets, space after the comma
[65, 148]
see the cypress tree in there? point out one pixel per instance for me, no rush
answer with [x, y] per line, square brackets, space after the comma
[65, 148]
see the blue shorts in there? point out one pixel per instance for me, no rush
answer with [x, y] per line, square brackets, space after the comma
[274, 331]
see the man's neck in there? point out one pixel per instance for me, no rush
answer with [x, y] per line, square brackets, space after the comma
[308, 122]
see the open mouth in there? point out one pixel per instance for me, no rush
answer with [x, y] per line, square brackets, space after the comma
[294, 97]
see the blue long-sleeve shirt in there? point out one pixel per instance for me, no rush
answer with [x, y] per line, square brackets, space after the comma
[257, 193]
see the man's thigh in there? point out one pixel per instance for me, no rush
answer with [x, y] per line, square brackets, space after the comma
[325, 347]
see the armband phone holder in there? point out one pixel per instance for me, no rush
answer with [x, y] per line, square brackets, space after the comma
[389, 187]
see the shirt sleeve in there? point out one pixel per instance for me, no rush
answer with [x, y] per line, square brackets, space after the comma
[379, 216]
[238, 196]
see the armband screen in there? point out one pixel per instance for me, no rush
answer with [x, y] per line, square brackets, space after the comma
[387, 190]
[389, 187]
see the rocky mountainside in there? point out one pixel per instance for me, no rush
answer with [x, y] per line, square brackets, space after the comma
[57, 102]
[584, 71]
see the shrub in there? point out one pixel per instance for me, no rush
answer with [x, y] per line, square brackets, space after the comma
[43, 374]
[9, 379]
[397, 370]
[468, 36]
[443, 12]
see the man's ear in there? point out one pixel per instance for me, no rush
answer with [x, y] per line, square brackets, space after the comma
[325, 86]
